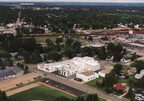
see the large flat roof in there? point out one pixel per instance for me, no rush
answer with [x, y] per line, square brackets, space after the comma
[87, 73]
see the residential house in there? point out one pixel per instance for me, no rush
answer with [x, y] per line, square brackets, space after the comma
[120, 86]
[125, 59]
[140, 75]
[110, 58]
[105, 71]
[132, 71]
[139, 94]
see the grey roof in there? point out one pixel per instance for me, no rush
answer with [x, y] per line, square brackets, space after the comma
[9, 72]
[2, 74]
[6, 72]
[16, 68]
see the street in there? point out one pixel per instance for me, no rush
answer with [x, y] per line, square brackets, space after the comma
[80, 87]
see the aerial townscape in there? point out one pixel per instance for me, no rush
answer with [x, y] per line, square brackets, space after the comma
[71, 51]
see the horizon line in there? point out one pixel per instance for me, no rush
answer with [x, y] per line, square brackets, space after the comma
[71, 1]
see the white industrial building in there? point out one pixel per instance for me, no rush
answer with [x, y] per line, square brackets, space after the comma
[72, 66]
[87, 75]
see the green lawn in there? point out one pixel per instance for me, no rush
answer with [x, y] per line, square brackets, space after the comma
[86, 94]
[43, 38]
[38, 93]
[92, 83]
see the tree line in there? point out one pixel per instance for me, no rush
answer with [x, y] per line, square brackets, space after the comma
[90, 97]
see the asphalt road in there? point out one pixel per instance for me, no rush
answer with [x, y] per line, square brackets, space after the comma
[80, 87]
[65, 87]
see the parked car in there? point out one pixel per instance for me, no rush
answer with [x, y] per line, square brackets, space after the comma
[19, 84]
[45, 80]
[37, 77]
[78, 79]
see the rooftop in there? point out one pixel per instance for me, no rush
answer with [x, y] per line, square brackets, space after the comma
[88, 73]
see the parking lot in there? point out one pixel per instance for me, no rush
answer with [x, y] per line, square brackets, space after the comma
[11, 83]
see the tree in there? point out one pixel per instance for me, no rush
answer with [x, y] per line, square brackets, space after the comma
[49, 42]
[62, 98]
[20, 51]
[90, 38]
[102, 53]
[92, 97]
[111, 47]
[48, 49]
[59, 40]
[34, 58]
[76, 44]
[54, 55]
[10, 62]
[130, 93]
[26, 56]
[117, 57]
[109, 90]
[139, 64]
[69, 42]
[2, 65]
[117, 68]
[26, 68]
[80, 98]
[3, 96]
[110, 79]
[69, 52]
[134, 56]
[119, 48]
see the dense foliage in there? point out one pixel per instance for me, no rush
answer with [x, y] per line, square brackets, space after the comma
[66, 19]
[3, 96]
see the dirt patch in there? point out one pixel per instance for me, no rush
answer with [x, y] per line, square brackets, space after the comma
[12, 92]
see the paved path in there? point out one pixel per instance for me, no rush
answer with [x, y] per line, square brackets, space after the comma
[18, 90]
[81, 87]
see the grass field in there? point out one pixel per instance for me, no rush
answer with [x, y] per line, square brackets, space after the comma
[38, 93]
[43, 38]
[41, 93]
[92, 83]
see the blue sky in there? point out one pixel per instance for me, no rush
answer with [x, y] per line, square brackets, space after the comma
[127, 1]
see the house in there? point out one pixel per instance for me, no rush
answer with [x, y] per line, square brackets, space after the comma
[120, 86]
[105, 71]
[125, 59]
[72, 66]
[140, 75]
[43, 44]
[139, 94]
[124, 73]
[87, 75]
[94, 45]
[110, 58]
[132, 71]
[11, 72]
[14, 54]
[18, 71]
